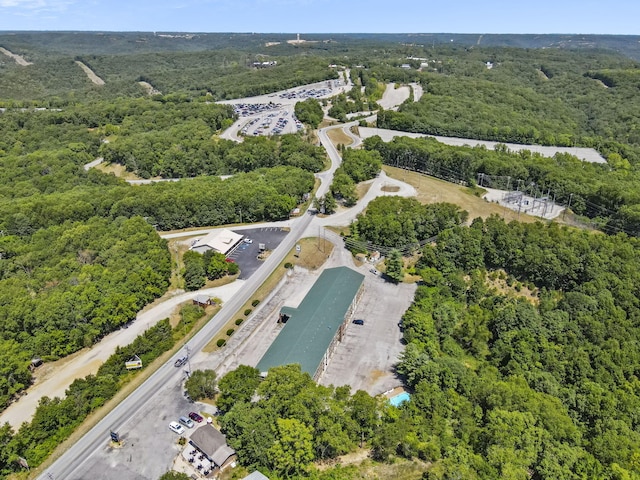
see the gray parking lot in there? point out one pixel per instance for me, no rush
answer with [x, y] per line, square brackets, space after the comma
[368, 353]
[246, 254]
[146, 436]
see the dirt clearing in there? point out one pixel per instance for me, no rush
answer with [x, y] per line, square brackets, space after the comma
[18, 59]
[393, 96]
[118, 170]
[151, 90]
[90, 73]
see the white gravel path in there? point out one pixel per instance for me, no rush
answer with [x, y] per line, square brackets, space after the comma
[586, 154]
[88, 361]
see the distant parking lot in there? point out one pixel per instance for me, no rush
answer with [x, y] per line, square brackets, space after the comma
[273, 114]
[246, 254]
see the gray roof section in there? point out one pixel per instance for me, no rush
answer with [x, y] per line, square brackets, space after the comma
[306, 336]
[256, 476]
[212, 443]
[202, 298]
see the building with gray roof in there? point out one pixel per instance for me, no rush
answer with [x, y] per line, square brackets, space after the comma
[213, 445]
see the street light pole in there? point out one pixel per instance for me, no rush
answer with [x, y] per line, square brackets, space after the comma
[186, 346]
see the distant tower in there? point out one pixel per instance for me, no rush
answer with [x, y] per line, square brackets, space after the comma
[298, 38]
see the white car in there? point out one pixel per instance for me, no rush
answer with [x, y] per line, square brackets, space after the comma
[176, 428]
[248, 240]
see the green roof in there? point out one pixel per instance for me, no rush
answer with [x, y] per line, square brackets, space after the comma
[311, 327]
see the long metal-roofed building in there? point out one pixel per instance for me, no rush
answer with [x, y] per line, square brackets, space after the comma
[312, 330]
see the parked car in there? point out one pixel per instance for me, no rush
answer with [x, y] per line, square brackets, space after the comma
[187, 422]
[176, 427]
[248, 240]
[181, 361]
[374, 271]
[195, 417]
[358, 321]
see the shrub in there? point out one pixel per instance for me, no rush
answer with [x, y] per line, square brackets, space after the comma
[247, 312]
[230, 332]
[255, 302]
[288, 265]
[239, 321]
[221, 342]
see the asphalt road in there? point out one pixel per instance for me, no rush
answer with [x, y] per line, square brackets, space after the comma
[69, 465]
[77, 454]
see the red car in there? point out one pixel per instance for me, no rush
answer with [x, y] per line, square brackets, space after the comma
[195, 417]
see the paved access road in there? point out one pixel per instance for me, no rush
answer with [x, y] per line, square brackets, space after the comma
[146, 404]
[71, 465]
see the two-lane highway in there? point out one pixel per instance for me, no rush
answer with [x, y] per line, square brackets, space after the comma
[68, 465]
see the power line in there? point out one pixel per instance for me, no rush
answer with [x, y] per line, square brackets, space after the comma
[591, 209]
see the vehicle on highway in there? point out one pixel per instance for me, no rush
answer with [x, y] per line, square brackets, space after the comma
[196, 417]
[187, 422]
[181, 361]
[358, 321]
[176, 427]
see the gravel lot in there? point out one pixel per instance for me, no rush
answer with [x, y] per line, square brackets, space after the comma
[393, 97]
[586, 154]
[366, 357]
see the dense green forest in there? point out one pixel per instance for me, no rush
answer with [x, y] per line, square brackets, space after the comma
[512, 387]
[533, 96]
[403, 223]
[67, 285]
[294, 421]
[187, 149]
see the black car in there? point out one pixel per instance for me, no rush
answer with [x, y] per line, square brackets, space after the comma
[359, 321]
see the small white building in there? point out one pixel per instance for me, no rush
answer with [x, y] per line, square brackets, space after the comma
[222, 241]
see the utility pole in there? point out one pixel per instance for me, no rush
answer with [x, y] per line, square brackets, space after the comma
[186, 346]
[568, 206]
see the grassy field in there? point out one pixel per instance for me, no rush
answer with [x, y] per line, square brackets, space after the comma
[118, 170]
[337, 136]
[432, 190]
[313, 253]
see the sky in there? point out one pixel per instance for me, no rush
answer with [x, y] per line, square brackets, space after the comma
[325, 16]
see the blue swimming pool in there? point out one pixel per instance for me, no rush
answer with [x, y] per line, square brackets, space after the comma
[399, 399]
